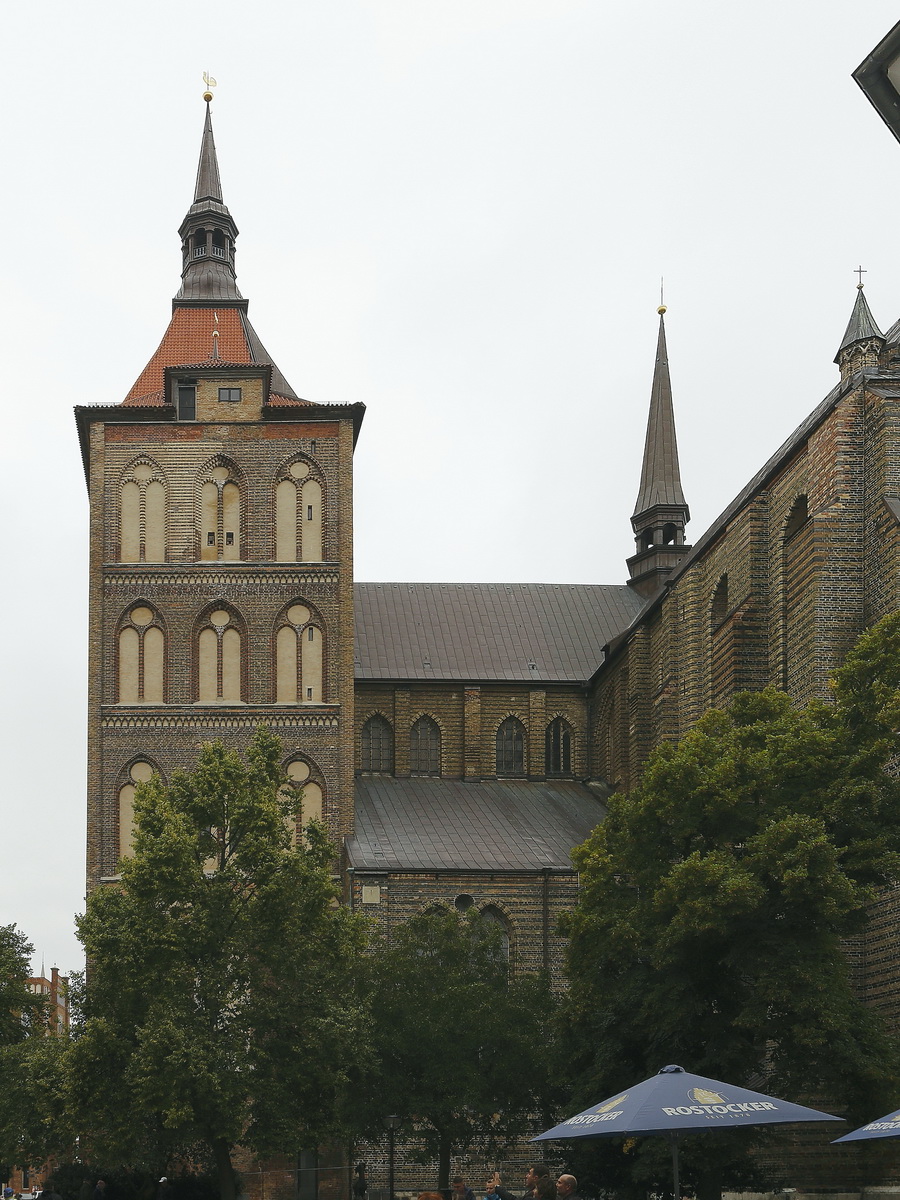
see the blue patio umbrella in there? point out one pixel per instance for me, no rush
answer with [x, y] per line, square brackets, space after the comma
[674, 1101]
[884, 1127]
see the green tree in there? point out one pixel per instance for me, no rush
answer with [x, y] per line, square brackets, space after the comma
[31, 1117]
[462, 1049]
[21, 1011]
[717, 896]
[221, 1007]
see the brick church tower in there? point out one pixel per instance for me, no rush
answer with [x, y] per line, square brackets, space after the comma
[221, 592]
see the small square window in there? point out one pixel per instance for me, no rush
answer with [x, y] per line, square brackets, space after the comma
[229, 539]
[210, 539]
[309, 693]
[229, 395]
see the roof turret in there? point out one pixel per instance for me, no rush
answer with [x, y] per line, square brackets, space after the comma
[860, 329]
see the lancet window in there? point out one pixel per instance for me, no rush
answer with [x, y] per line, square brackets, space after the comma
[558, 748]
[511, 747]
[377, 745]
[425, 747]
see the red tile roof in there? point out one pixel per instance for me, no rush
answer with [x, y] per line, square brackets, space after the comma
[189, 340]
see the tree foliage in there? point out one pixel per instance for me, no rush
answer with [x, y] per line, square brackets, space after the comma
[21, 1010]
[461, 1048]
[32, 1123]
[221, 1008]
[718, 896]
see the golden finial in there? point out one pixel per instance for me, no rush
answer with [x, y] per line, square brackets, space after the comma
[662, 307]
[210, 83]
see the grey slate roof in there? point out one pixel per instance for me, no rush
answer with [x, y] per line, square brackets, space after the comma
[460, 825]
[660, 474]
[487, 631]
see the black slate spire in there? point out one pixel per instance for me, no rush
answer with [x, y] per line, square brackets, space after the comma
[660, 511]
[208, 233]
[862, 341]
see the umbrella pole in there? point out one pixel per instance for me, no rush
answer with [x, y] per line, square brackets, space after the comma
[676, 1182]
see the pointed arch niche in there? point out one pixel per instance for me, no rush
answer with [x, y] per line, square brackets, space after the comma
[299, 513]
[140, 771]
[142, 513]
[306, 778]
[141, 656]
[219, 502]
[299, 656]
[219, 641]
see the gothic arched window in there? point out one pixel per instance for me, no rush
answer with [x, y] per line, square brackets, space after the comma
[142, 650]
[298, 515]
[558, 748]
[219, 659]
[142, 514]
[511, 747]
[377, 745]
[425, 747]
[220, 515]
[299, 658]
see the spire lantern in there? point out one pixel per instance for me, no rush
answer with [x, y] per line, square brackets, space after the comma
[660, 511]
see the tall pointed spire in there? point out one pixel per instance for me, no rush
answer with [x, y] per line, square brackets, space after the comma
[660, 511]
[208, 233]
[209, 184]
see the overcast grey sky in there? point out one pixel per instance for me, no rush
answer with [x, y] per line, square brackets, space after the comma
[457, 212]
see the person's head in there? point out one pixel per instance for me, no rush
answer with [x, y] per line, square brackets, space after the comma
[566, 1185]
[459, 1185]
[535, 1172]
[546, 1188]
[360, 1168]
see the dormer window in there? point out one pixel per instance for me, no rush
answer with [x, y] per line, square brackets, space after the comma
[229, 395]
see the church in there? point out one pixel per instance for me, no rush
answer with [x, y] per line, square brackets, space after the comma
[456, 740]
